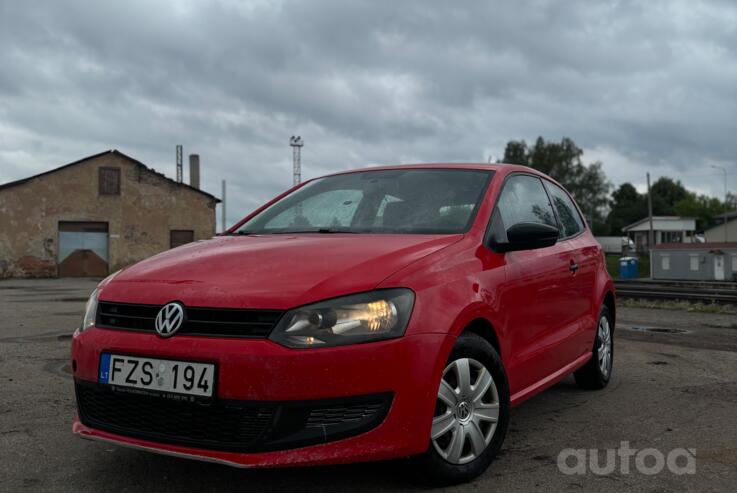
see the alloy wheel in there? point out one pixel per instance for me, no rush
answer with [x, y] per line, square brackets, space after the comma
[605, 346]
[466, 412]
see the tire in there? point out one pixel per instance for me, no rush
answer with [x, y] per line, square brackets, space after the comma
[597, 372]
[470, 421]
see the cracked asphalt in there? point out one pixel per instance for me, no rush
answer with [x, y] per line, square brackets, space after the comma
[669, 391]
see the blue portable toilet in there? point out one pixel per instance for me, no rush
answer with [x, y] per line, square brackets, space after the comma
[628, 268]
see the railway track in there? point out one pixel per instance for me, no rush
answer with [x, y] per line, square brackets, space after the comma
[705, 292]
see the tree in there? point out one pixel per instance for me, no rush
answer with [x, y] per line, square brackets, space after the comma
[516, 152]
[562, 161]
[592, 193]
[666, 194]
[627, 206]
[731, 201]
[705, 209]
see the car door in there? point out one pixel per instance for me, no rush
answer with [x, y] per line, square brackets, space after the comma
[536, 282]
[583, 253]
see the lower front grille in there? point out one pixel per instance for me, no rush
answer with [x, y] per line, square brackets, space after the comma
[215, 425]
[228, 425]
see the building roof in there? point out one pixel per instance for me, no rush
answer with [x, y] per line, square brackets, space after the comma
[114, 152]
[731, 216]
[696, 246]
[661, 219]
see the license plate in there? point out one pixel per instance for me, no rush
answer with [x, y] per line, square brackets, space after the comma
[159, 375]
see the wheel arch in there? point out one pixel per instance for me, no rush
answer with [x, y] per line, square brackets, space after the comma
[611, 305]
[484, 329]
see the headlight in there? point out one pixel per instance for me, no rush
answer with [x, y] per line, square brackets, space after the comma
[354, 319]
[90, 312]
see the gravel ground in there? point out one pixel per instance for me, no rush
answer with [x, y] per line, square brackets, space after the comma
[673, 388]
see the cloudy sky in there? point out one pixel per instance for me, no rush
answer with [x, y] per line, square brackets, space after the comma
[641, 86]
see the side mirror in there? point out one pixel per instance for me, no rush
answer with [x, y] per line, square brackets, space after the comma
[527, 236]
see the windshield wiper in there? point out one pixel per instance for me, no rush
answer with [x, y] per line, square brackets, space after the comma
[316, 230]
[294, 232]
[333, 231]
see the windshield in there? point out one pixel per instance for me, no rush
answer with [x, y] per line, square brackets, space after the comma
[405, 201]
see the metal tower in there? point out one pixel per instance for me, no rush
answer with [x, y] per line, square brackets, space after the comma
[180, 172]
[296, 143]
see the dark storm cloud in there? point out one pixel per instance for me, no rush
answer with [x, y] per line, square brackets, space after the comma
[644, 86]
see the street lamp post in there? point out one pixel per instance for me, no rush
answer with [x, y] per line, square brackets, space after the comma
[726, 206]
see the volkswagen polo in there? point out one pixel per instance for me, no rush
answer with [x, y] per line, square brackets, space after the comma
[372, 314]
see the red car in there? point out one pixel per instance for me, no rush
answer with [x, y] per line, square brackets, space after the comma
[373, 314]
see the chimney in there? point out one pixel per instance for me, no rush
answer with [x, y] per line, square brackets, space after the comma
[194, 170]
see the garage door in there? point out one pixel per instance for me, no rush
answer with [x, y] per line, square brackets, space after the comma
[83, 249]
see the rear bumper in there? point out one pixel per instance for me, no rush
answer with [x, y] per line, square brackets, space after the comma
[258, 371]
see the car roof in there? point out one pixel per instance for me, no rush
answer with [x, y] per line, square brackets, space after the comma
[472, 166]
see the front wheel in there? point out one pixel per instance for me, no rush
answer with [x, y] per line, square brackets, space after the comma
[471, 414]
[597, 372]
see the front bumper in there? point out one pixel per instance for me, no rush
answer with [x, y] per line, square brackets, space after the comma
[406, 371]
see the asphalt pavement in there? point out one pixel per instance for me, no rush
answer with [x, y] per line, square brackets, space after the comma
[673, 396]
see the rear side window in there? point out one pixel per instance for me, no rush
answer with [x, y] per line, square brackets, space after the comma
[570, 220]
[522, 200]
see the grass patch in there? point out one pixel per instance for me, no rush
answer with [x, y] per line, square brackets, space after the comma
[612, 265]
[688, 306]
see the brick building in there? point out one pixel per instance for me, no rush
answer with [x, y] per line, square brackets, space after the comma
[96, 215]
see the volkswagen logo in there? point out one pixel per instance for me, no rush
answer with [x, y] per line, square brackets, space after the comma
[169, 319]
[463, 411]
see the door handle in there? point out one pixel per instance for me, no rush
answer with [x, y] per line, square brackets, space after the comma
[573, 267]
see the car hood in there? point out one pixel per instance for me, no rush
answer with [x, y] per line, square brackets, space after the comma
[269, 271]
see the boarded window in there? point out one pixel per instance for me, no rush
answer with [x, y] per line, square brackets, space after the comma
[178, 237]
[694, 259]
[109, 181]
[665, 262]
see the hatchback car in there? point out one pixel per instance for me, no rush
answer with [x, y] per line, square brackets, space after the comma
[372, 314]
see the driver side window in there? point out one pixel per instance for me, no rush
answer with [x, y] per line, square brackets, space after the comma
[522, 200]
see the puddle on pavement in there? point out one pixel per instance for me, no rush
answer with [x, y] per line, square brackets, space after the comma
[657, 330]
[666, 331]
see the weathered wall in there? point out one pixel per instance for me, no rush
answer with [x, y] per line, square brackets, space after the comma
[139, 219]
[716, 234]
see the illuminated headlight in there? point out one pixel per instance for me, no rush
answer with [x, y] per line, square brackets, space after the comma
[90, 312]
[354, 319]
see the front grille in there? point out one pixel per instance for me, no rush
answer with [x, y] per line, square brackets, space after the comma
[228, 425]
[216, 425]
[217, 322]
